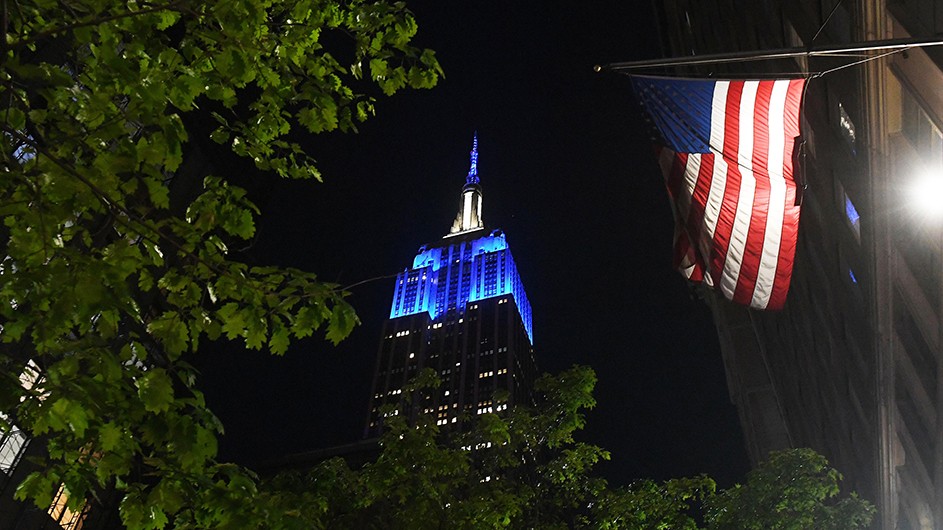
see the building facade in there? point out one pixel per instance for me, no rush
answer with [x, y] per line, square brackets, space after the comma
[853, 365]
[460, 310]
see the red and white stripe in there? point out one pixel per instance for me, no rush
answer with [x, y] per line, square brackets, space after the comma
[736, 220]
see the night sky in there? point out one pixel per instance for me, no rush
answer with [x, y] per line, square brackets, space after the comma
[568, 173]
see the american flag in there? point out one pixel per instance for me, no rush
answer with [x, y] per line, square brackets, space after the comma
[726, 152]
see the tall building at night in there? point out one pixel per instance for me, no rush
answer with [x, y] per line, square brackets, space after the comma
[853, 365]
[461, 310]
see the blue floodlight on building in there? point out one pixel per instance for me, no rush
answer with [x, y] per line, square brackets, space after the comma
[467, 265]
[459, 310]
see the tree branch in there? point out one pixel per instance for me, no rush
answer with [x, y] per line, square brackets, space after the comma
[110, 204]
[128, 219]
[55, 31]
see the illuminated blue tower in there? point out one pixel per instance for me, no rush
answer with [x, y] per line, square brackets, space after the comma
[461, 310]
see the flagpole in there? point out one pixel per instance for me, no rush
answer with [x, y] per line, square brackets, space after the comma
[888, 45]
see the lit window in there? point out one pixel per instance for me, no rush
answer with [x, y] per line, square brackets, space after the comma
[14, 442]
[11, 448]
[31, 376]
[853, 217]
[67, 519]
[847, 126]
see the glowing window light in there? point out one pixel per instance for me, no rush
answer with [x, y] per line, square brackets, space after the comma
[853, 217]
[847, 127]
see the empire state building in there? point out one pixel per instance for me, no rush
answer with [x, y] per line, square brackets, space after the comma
[460, 310]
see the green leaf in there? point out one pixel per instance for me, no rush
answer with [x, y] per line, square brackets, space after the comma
[155, 390]
[167, 18]
[232, 319]
[278, 342]
[378, 69]
[13, 329]
[343, 320]
[169, 495]
[239, 223]
[64, 369]
[111, 465]
[309, 319]
[89, 289]
[256, 331]
[220, 135]
[132, 509]
[68, 415]
[171, 330]
[160, 195]
[38, 487]
[15, 118]
[111, 436]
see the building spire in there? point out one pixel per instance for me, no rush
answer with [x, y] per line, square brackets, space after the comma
[469, 213]
[473, 170]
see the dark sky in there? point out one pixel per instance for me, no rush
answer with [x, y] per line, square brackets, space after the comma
[567, 173]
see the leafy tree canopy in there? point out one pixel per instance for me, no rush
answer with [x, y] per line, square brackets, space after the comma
[792, 490]
[116, 230]
[524, 468]
[116, 265]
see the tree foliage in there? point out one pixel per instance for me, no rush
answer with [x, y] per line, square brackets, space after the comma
[116, 226]
[116, 266]
[792, 490]
[520, 469]
[524, 468]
